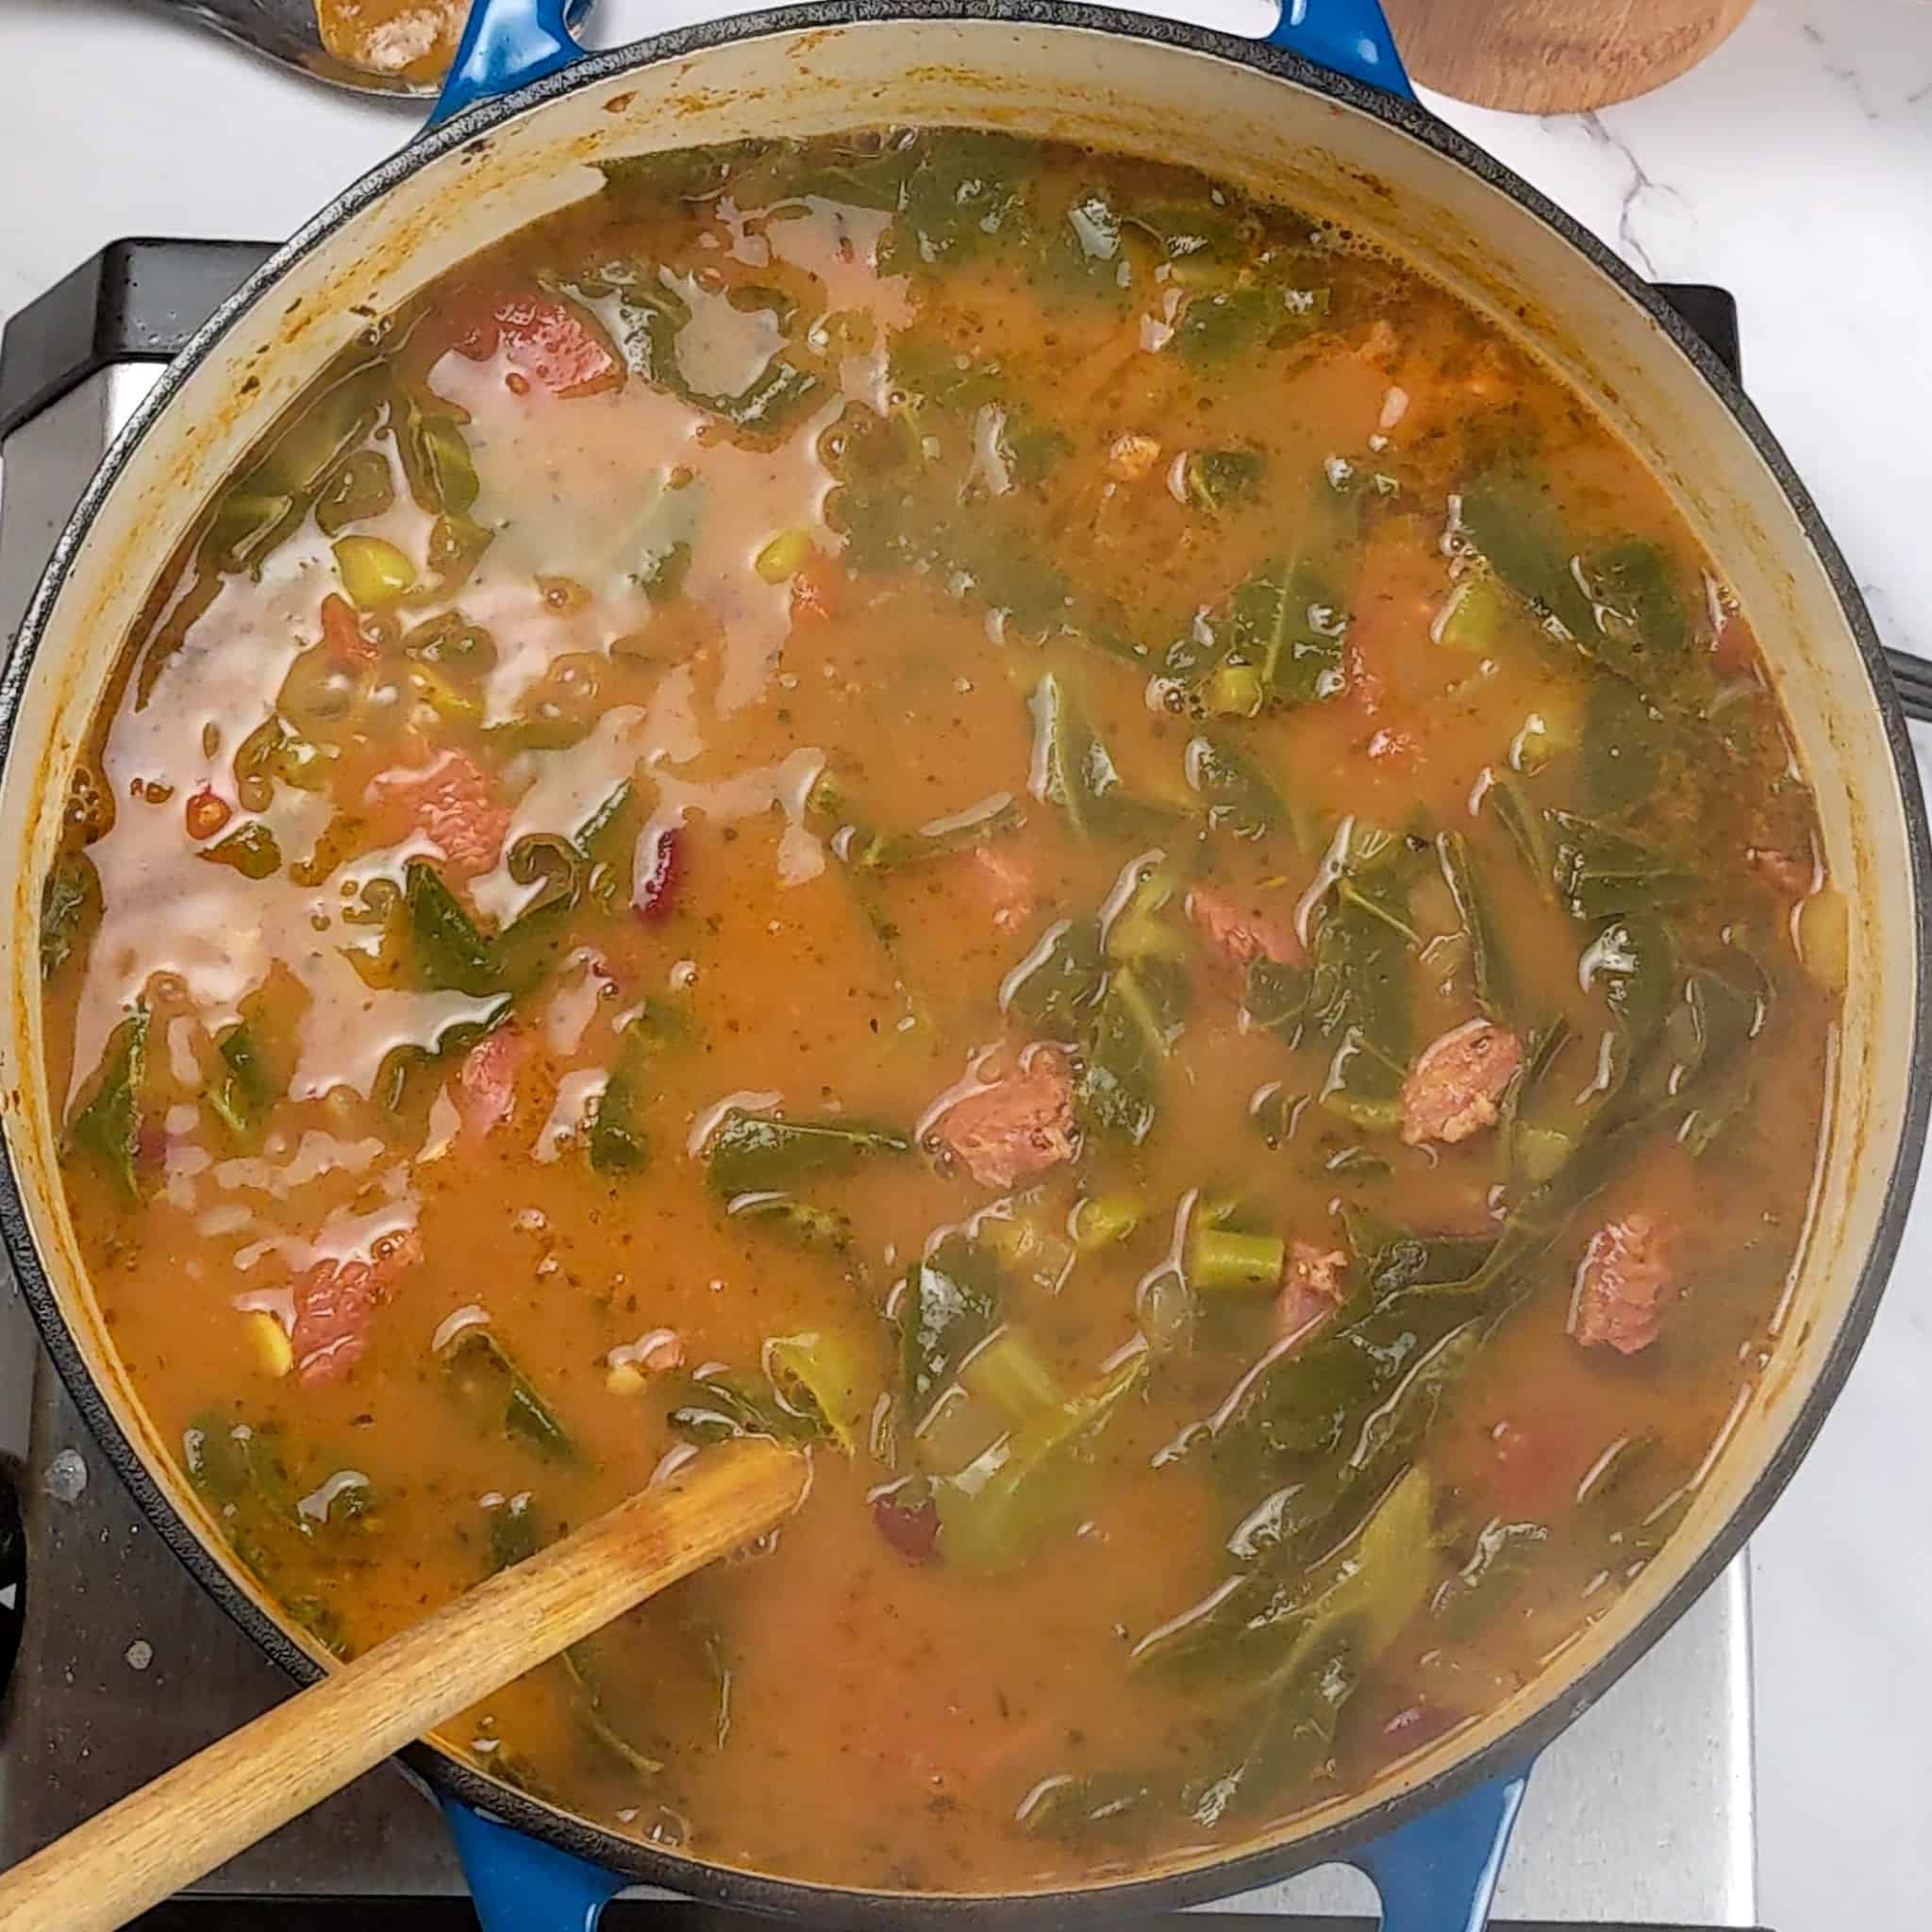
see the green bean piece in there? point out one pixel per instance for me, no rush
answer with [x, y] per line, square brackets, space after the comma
[1219, 1259]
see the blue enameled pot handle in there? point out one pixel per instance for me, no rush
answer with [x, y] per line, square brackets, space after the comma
[508, 44]
[1436, 1873]
[520, 1884]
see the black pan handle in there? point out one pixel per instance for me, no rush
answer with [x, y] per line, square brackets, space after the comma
[1913, 678]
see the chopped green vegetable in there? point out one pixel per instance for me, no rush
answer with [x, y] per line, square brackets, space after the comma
[756, 1153]
[1133, 1032]
[1214, 480]
[1219, 1258]
[1644, 625]
[107, 1125]
[1074, 770]
[808, 1225]
[1050, 988]
[1007, 1371]
[1219, 323]
[483, 1378]
[820, 1377]
[998, 1509]
[1101, 1221]
[1479, 613]
[70, 905]
[249, 849]
[451, 955]
[894, 851]
[948, 1305]
[588, 1701]
[357, 489]
[1239, 799]
[1360, 982]
[1507, 515]
[513, 1533]
[719, 1405]
[1602, 874]
[1488, 964]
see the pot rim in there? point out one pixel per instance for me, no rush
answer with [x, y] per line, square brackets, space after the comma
[1509, 1753]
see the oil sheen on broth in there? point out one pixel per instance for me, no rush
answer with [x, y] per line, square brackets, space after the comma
[984, 806]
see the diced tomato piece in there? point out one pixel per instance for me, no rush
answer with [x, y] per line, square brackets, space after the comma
[1538, 1456]
[335, 1307]
[1008, 884]
[1788, 874]
[1020, 1126]
[1456, 1087]
[660, 872]
[455, 803]
[486, 1093]
[205, 813]
[1242, 934]
[341, 633]
[551, 342]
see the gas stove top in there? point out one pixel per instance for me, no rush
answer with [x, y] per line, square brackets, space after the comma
[1640, 1816]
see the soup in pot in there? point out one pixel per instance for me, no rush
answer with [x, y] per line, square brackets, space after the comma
[993, 807]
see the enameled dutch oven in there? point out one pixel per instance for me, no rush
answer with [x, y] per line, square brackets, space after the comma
[1322, 114]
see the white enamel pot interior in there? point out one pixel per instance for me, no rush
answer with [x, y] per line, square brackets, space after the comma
[1249, 115]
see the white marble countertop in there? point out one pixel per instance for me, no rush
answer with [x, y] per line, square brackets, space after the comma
[1795, 168]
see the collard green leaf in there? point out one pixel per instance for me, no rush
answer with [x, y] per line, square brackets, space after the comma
[107, 1125]
[1239, 797]
[1603, 874]
[948, 1305]
[756, 1153]
[1359, 995]
[1626, 741]
[799, 1221]
[1508, 516]
[997, 1510]
[451, 955]
[965, 190]
[1051, 989]
[1074, 770]
[485, 1380]
[718, 1405]
[1133, 1033]
[822, 1377]
[1643, 614]
[70, 905]
[1488, 963]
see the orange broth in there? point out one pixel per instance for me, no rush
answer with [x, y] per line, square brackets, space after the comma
[848, 793]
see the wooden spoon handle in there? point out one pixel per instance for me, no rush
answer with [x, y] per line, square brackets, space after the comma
[225, 1798]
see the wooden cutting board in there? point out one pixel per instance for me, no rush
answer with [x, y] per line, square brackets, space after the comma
[1555, 57]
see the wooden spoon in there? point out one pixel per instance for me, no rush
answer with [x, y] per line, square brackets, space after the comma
[222, 1800]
